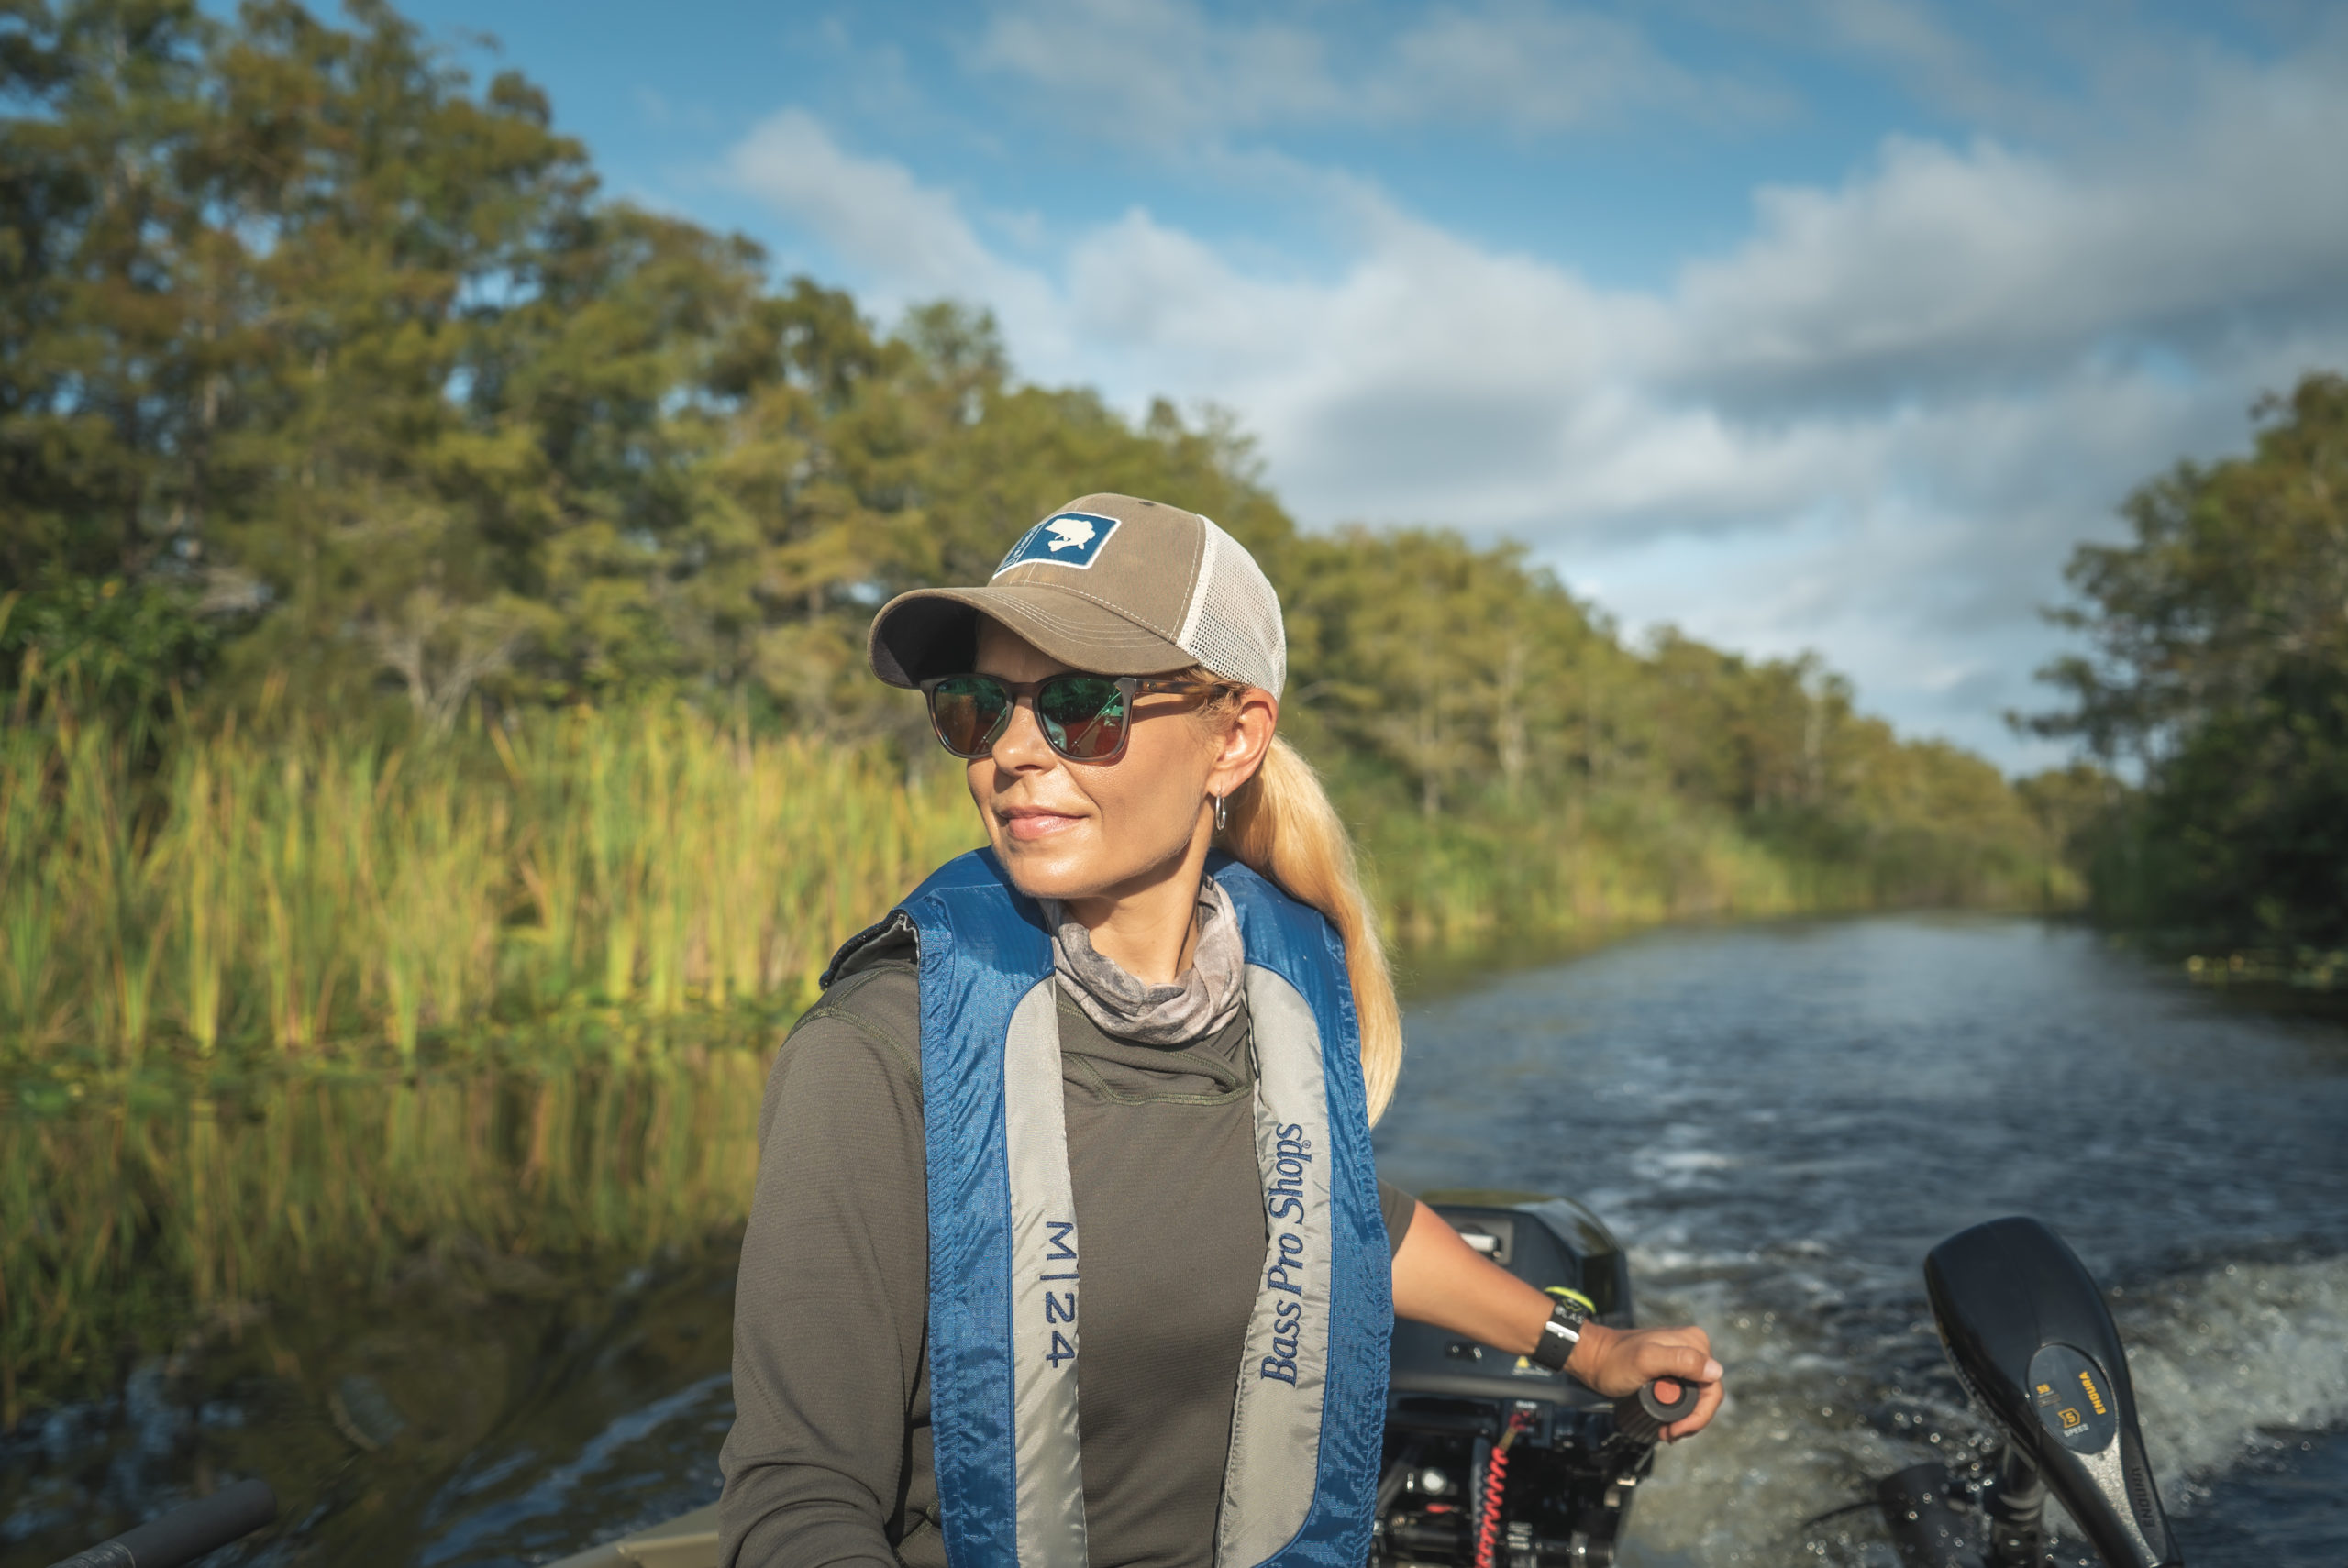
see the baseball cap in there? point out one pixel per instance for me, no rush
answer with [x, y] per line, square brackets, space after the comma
[1110, 584]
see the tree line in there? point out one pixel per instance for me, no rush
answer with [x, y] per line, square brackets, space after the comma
[329, 374]
[2213, 694]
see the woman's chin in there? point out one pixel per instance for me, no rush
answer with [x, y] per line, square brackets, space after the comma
[1047, 869]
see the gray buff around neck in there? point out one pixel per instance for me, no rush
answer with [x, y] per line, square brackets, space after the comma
[1202, 1001]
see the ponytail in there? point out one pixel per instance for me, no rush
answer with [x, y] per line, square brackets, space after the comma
[1281, 825]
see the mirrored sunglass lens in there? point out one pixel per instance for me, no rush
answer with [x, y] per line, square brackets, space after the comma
[1083, 716]
[966, 711]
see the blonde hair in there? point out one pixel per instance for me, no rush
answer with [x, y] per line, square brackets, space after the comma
[1281, 825]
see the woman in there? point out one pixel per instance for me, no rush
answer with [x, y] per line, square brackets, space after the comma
[1076, 1069]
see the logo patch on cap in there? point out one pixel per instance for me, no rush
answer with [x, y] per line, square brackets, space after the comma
[1064, 539]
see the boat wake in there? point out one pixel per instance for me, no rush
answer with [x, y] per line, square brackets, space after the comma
[2229, 1363]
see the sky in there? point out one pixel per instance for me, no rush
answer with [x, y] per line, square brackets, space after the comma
[1829, 324]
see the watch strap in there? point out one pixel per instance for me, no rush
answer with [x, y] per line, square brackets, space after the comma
[1562, 1333]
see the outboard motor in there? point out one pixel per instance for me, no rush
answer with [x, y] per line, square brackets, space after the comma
[1491, 1458]
[2031, 1339]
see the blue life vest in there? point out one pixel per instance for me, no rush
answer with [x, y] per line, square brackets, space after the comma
[1005, 1258]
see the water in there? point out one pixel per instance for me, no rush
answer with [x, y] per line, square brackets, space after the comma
[497, 1414]
[1780, 1119]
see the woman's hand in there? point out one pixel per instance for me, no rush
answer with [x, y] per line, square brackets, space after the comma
[1617, 1362]
[1440, 1279]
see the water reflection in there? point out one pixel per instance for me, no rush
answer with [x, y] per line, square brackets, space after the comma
[366, 1290]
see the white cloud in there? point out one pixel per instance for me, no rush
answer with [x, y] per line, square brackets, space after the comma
[1910, 36]
[906, 241]
[1941, 261]
[1876, 426]
[1157, 71]
[872, 214]
[1535, 67]
[1164, 73]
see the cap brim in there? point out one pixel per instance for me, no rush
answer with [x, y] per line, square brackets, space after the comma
[933, 631]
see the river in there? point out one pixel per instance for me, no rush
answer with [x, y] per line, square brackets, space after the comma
[1780, 1119]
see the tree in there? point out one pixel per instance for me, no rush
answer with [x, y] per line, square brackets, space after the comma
[2218, 668]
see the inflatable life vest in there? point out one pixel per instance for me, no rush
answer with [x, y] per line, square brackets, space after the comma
[1005, 1260]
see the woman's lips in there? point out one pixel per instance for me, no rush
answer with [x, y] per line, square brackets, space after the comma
[1030, 825]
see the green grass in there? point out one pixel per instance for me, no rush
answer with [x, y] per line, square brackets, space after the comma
[309, 892]
[315, 894]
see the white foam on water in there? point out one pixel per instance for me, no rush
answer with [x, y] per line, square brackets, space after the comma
[1808, 1428]
[1787, 1443]
[2220, 1356]
[1653, 1164]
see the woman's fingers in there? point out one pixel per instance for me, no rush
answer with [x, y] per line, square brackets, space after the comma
[1708, 1400]
[1662, 1354]
[1681, 1355]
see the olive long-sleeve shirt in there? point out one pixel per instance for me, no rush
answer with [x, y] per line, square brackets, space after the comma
[829, 1461]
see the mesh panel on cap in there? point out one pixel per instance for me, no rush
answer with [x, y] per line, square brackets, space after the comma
[1234, 625]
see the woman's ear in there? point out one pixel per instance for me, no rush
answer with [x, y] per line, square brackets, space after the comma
[1247, 735]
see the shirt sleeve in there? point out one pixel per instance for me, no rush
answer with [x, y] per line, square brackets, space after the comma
[1398, 1206]
[831, 1302]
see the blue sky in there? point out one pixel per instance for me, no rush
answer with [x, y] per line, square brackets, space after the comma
[1829, 324]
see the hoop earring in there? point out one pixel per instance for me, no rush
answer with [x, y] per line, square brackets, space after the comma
[1222, 811]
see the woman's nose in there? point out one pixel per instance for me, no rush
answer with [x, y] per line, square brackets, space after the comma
[1022, 745]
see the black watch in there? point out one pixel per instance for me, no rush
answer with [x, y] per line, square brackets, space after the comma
[1561, 1333]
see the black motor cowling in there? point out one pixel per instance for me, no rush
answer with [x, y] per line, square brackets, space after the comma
[1568, 1473]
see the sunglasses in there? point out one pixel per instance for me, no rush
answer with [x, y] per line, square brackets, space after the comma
[1085, 718]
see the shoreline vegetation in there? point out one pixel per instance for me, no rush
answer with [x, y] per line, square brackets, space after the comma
[288, 894]
[291, 896]
[436, 732]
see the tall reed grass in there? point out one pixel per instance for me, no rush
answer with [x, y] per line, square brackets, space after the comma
[314, 893]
